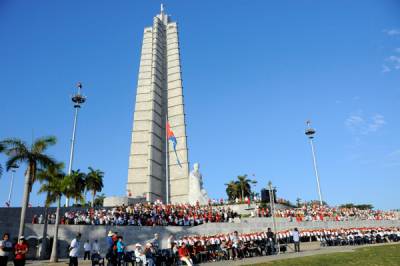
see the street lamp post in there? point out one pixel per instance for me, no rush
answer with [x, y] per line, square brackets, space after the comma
[310, 132]
[272, 206]
[78, 99]
[13, 169]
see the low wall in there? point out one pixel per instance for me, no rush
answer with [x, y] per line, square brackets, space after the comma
[9, 222]
[134, 234]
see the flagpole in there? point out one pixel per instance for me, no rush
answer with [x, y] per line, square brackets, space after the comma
[166, 162]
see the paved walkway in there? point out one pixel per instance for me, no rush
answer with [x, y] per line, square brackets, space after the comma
[309, 251]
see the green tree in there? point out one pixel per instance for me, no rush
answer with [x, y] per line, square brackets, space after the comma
[1, 150]
[232, 190]
[52, 184]
[34, 157]
[298, 202]
[358, 206]
[94, 182]
[74, 185]
[244, 185]
[99, 200]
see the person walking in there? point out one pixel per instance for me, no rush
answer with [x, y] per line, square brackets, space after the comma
[296, 239]
[21, 248]
[5, 249]
[74, 250]
[87, 248]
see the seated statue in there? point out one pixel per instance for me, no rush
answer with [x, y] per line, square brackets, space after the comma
[196, 191]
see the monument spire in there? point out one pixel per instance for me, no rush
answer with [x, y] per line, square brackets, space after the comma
[159, 99]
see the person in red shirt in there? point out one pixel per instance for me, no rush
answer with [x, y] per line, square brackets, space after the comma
[21, 248]
[184, 254]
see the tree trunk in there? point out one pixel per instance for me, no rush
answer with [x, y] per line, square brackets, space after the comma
[25, 200]
[54, 254]
[93, 196]
[43, 247]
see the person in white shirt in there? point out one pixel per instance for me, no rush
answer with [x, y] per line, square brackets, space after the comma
[74, 250]
[87, 248]
[139, 254]
[95, 247]
[5, 249]
[296, 239]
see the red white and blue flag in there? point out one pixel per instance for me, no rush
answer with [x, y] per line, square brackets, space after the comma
[171, 137]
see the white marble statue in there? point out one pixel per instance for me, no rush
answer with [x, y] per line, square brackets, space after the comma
[196, 191]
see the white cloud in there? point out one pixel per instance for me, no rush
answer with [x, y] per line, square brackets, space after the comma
[353, 122]
[395, 153]
[357, 124]
[377, 121]
[393, 158]
[385, 69]
[393, 62]
[394, 58]
[392, 32]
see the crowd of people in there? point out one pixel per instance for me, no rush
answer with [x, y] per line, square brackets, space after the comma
[316, 212]
[146, 214]
[239, 246]
[233, 246]
[151, 214]
[197, 249]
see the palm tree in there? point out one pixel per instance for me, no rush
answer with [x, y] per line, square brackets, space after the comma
[99, 200]
[232, 190]
[94, 182]
[1, 150]
[74, 185]
[244, 185]
[298, 202]
[51, 180]
[35, 157]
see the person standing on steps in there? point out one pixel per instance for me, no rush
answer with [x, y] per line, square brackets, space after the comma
[74, 250]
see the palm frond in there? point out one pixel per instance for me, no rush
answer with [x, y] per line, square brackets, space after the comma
[44, 160]
[15, 160]
[43, 143]
[14, 146]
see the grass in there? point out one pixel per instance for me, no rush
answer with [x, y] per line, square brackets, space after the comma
[380, 255]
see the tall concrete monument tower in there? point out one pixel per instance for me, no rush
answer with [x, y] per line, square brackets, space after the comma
[154, 173]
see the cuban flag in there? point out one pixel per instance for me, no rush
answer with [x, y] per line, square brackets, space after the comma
[171, 137]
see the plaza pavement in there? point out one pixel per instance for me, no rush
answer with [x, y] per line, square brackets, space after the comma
[308, 249]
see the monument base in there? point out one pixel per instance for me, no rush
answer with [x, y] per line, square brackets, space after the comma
[122, 200]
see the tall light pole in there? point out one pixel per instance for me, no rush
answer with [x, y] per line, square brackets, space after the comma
[310, 132]
[78, 99]
[13, 169]
[272, 205]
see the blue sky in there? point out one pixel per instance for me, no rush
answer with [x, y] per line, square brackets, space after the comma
[254, 72]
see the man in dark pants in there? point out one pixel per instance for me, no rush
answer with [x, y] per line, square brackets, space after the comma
[5, 249]
[296, 239]
[87, 248]
[270, 242]
[74, 250]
